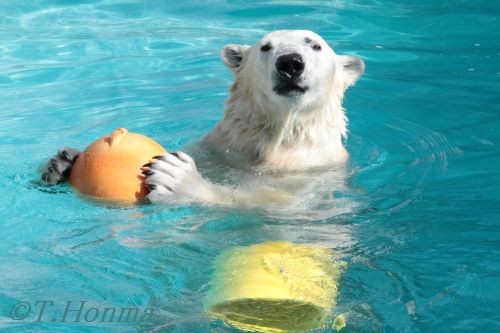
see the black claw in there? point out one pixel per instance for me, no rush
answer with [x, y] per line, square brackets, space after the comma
[175, 154]
[65, 155]
[148, 172]
[160, 157]
[69, 154]
[148, 165]
[151, 187]
[45, 177]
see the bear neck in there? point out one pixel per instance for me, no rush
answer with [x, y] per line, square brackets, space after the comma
[253, 125]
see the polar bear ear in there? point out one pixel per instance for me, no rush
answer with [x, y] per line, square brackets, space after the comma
[232, 56]
[353, 68]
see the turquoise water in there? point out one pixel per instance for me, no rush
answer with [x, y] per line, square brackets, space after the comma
[417, 223]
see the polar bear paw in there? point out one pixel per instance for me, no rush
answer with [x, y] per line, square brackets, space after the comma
[173, 177]
[57, 169]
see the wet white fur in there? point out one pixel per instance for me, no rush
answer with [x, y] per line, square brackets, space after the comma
[270, 131]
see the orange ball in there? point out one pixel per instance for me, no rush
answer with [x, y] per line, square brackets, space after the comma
[109, 169]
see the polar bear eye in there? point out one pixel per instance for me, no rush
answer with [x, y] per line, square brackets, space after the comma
[316, 47]
[266, 47]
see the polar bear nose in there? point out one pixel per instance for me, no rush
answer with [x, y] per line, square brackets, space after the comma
[290, 66]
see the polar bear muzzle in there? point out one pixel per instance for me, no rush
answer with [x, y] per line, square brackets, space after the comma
[289, 69]
[290, 66]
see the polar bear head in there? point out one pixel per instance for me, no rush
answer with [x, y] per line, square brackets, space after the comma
[292, 70]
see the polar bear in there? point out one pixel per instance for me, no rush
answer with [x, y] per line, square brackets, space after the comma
[284, 115]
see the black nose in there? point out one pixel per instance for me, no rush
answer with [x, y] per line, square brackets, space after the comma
[290, 66]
